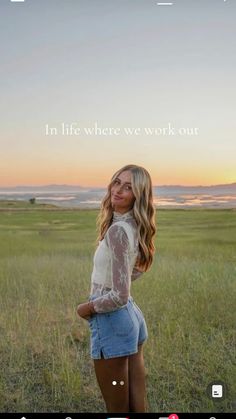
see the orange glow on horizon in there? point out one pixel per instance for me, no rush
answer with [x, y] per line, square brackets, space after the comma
[99, 175]
[103, 181]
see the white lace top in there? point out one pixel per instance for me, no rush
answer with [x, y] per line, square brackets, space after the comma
[114, 261]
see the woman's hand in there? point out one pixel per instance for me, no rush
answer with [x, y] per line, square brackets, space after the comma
[85, 310]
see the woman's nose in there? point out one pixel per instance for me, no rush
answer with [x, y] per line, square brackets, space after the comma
[119, 188]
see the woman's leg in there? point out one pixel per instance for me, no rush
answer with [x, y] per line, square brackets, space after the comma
[137, 389]
[114, 369]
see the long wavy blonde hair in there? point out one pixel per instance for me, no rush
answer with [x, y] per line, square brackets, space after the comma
[143, 210]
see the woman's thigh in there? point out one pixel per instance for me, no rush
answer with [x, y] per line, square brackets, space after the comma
[113, 379]
[137, 388]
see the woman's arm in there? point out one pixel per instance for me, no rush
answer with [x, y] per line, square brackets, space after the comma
[118, 243]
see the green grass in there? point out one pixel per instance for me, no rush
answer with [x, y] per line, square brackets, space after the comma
[188, 298]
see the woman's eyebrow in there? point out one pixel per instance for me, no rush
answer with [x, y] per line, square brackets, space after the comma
[124, 182]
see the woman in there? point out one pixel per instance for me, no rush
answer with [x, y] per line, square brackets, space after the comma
[125, 250]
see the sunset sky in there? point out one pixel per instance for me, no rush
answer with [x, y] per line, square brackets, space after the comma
[118, 64]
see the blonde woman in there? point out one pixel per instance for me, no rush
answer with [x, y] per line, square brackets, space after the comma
[125, 250]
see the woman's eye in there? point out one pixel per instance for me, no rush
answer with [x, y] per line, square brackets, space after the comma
[127, 187]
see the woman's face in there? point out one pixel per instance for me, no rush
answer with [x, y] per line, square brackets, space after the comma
[122, 197]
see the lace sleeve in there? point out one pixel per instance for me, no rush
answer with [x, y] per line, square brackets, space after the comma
[118, 243]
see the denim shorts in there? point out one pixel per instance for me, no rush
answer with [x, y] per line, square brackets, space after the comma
[117, 333]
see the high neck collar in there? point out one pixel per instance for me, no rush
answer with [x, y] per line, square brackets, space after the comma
[117, 216]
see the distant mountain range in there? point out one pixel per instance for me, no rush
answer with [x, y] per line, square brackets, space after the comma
[227, 187]
[165, 196]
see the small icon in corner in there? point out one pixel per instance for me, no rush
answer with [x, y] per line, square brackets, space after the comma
[217, 391]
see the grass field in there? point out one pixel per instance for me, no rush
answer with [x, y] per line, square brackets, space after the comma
[188, 299]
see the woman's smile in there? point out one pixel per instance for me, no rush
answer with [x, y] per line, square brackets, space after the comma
[117, 197]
